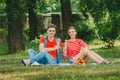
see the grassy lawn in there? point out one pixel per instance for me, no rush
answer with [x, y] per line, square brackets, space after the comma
[11, 68]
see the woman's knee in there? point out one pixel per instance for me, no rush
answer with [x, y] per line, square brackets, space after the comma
[86, 51]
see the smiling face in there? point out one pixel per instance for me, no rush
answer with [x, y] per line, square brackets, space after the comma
[72, 33]
[51, 32]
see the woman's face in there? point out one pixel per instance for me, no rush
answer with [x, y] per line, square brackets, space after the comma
[72, 33]
[51, 32]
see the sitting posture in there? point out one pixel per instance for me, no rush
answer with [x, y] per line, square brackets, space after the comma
[50, 47]
[77, 50]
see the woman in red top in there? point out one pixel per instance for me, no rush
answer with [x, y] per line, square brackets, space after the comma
[75, 48]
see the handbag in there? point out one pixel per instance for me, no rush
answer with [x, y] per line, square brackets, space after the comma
[80, 62]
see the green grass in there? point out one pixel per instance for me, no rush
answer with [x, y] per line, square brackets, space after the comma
[11, 68]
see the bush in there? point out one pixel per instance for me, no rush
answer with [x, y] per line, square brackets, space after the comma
[3, 35]
[85, 31]
[108, 33]
[2, 7]
[3, 21]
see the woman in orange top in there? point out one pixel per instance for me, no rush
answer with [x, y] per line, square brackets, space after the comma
[76, 49]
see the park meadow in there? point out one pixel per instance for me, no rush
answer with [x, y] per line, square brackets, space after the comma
[23, 22]
[11, 68]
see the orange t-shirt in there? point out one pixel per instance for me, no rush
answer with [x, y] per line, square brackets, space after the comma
[51, 44]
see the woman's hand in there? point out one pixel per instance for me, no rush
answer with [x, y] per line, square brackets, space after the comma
[64, 55]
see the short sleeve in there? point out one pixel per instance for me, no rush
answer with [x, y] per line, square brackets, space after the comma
[41, 40]
[83, 44]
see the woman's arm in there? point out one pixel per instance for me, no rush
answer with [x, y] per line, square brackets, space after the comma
[65, 49]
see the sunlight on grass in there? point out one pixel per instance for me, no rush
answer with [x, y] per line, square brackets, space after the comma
[11, 68]
[99, 44]
[62, 73]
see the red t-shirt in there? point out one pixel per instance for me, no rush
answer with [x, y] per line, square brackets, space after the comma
[72, 48]
[50, 44]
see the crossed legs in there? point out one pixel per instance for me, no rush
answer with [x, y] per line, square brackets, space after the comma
[42, 57]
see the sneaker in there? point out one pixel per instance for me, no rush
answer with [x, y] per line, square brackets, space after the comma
[26, 62]
[110, 63]
[35, 64]
[106, 62]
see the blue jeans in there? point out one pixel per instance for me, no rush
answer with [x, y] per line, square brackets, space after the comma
[71, 60]
[43, 57]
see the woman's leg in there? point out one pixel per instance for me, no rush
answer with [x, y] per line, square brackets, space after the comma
[87, 54]
[79, 59]
[81, 55]
[100, 58]
[97, 56]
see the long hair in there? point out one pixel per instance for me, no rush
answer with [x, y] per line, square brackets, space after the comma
[71, 27]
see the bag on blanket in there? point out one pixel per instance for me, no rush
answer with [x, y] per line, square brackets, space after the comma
[80, 61]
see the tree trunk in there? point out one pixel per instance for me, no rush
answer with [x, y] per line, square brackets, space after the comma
[15, 26]
[32, 19]
[66, 15]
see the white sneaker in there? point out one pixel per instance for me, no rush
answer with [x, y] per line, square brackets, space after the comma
[26, 62]
[35, 64]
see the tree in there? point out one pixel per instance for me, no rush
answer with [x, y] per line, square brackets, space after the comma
[112, 30]
[15, 15]
[2, 6]
[33, 31]
[105, 14]
[66, 15]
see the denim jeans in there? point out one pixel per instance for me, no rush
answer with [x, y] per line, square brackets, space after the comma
[71, 60]
[43, 57]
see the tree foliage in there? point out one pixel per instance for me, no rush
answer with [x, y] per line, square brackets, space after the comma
[2, 6]
[100, 16]
[106, 17]
[46, 6]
